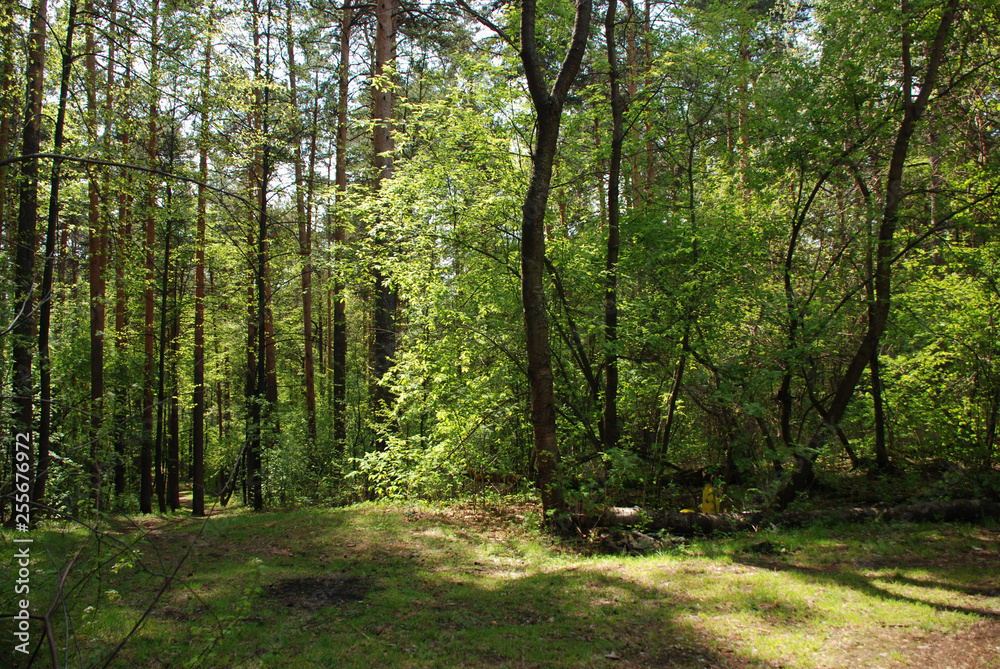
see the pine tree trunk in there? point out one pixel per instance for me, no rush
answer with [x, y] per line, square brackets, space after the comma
[339, 335]
[98, 260]
[386, 296]
[250, 468]
[198, 412]
[173, 421]
[263, 371]
[161, 374]
[149, 307]
[45, 308]
[259, 409]
[22, 385]
[614, 217]
[122, 250]
[305, 238]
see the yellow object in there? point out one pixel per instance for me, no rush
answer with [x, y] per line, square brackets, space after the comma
[709, 502]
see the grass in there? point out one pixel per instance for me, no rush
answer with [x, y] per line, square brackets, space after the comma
[457, 586]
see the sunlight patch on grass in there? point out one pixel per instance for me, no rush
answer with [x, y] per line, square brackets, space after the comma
[446, 584]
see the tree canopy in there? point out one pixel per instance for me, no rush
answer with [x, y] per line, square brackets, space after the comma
[314, 253]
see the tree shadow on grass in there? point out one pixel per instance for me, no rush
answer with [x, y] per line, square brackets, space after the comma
[429, 600]
[868, 585]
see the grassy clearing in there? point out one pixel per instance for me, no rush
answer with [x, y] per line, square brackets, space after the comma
[420, 586]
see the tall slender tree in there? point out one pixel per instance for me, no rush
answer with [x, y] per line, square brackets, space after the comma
[339, 335]
[123, 241]
[159, 471]
[149, 307]
[264, 397]
[614, 218]
[24, 262]
[97, 227]
[45, 306]
[548, 105]
[305, 234]
[913, 109]
[386, 295]
[198, 411]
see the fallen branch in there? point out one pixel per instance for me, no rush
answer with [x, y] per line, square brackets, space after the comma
[960, 510]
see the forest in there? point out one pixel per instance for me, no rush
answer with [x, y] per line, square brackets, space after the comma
[597, 258]
[317, 254]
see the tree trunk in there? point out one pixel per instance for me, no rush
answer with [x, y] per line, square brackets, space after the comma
[960, 510]
[263, 407]
[310, 218]
[173, 421]
[198, 412]
[250, 468]
[122, 250]
[161, 369]
[548, 106]
[259, 292]
[98, 260]
[913, 109]
[881, 453]
[614, 216]
[339, 335]
[305, 238]
[22, 385]
[146, 456]
[386, 296]
[45, 307]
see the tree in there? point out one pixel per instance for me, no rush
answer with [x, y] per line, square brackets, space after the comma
[386, 296]
[305, 234]
[24, 263]
[45, 306]
[339, 334]
[98, 234]
[913, 108]
[149, 248]
[198, 412]
[614, 218]
[548, 105]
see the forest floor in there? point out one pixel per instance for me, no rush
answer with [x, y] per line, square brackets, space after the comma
[470, 585]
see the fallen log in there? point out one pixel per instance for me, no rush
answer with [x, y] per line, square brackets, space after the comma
[675, 522]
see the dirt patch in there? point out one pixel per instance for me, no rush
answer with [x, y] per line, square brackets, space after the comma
[316, 593]
[977, 647]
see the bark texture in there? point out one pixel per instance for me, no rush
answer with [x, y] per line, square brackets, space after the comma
[52, 223]
[339, 321]
[149, 306]
[548, 105]
[198, 411]
[951, 511]
[305, 237]
[386, 296]
[22, 386]
[614, 217]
